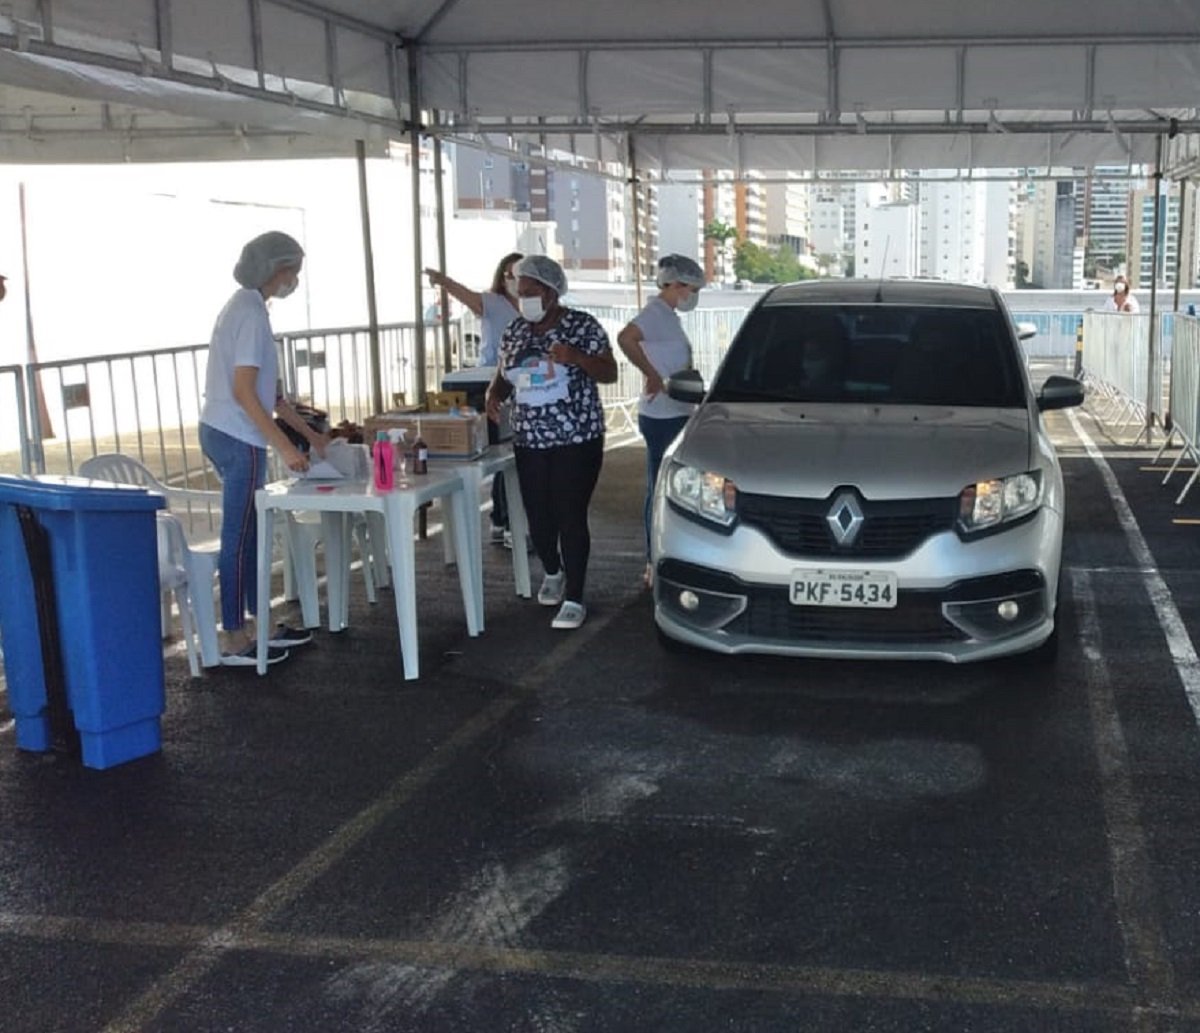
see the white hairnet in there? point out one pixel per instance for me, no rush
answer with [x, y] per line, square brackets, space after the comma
[545, 270]
[679, 269]
[264, 256]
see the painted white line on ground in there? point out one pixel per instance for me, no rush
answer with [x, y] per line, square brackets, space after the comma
[1179, 642]
[1146, 953]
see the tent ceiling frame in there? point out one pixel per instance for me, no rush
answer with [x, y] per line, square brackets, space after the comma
[216, 82]
[838, 43]
[860, 127]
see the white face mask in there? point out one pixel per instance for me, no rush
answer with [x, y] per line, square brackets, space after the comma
[533, 309]
[286, 288]
[688, 302]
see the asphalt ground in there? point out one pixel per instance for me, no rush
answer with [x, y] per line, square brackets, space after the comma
[576, 831]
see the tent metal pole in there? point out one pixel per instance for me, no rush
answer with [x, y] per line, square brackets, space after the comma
[440, 197]
[419, 372]
[637, 222]
[1153, 390]
[364, 206]
[1182, 242]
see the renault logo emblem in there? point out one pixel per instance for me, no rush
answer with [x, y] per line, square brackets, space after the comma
[845, 518]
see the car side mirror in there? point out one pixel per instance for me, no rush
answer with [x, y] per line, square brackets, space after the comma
[1059, 392]
[686, 386]
[1026, 331]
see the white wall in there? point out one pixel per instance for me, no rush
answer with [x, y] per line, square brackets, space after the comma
[123, 258]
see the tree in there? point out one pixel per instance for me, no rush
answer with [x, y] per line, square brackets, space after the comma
[1022, 273]
[760, 264]
[721, 233]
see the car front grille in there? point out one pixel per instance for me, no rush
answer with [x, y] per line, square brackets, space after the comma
[799, 527]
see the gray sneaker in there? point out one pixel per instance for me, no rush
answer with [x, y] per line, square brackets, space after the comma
[553, 588]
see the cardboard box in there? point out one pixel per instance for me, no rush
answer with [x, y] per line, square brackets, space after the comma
[444, 401]
[448, 437]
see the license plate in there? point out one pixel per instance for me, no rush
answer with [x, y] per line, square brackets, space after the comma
[865, 589]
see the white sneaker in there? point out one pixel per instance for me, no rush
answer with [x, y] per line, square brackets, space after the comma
[553, 588]
[500, 536]
[570, 615]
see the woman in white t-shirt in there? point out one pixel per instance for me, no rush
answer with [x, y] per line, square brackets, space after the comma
[1122, 300]
[495, 309]
[654, 341]
[236, 426]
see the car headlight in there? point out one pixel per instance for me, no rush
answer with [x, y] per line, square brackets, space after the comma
[992, 503]
[708, 495]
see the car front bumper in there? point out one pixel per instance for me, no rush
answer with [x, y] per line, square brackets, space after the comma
[731, 593]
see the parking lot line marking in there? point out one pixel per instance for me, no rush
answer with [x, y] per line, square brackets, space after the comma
[203, 959]
[1146, 953]
[1179, 642]
[1186, 521]
[1112, 999]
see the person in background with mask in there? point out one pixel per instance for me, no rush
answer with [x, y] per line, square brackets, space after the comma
[1122, 300]
[551, 359]
[654, 341]
[236, 425]
[495, 308]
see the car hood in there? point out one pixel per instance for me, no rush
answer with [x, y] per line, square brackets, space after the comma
[888, 452]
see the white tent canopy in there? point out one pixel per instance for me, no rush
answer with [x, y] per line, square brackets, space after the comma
[765, 84]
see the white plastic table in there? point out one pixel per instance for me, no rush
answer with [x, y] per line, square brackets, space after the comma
[497, 461]
[335, 501]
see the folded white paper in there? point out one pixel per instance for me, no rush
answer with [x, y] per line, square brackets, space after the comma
[323, 470]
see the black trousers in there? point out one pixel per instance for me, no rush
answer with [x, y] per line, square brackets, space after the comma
[556, 488]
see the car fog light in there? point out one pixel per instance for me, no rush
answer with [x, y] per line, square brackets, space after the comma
[690, 601]
[1008, 610]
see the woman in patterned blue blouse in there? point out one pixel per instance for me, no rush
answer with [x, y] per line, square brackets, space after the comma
[551, 359]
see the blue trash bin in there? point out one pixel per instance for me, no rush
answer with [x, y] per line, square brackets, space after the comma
[103, 568]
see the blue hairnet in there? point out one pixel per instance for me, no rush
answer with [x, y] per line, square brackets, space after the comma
[264, 256]
[679, 269]
[545, 270]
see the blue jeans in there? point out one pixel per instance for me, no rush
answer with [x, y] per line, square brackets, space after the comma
[242, 468]
[658, 434]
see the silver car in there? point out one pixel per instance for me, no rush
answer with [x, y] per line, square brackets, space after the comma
[868, 476]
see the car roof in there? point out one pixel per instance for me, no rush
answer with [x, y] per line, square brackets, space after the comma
[882, 292]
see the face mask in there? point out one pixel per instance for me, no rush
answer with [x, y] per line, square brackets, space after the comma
[284, 289]
[532, 309]
[688, 302]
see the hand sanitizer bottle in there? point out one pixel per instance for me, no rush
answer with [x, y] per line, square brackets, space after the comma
[399, 453]
[384, 462]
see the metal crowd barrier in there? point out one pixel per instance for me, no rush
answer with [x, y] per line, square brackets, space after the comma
[1184, 403]
[147, 403]
[12, 388]
[1116, 351]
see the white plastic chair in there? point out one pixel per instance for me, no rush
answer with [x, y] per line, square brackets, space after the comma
[174, 576]
[199, 561]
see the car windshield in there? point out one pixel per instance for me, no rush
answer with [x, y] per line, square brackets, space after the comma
[887, 355]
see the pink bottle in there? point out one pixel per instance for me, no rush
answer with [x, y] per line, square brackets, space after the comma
[384, 461]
